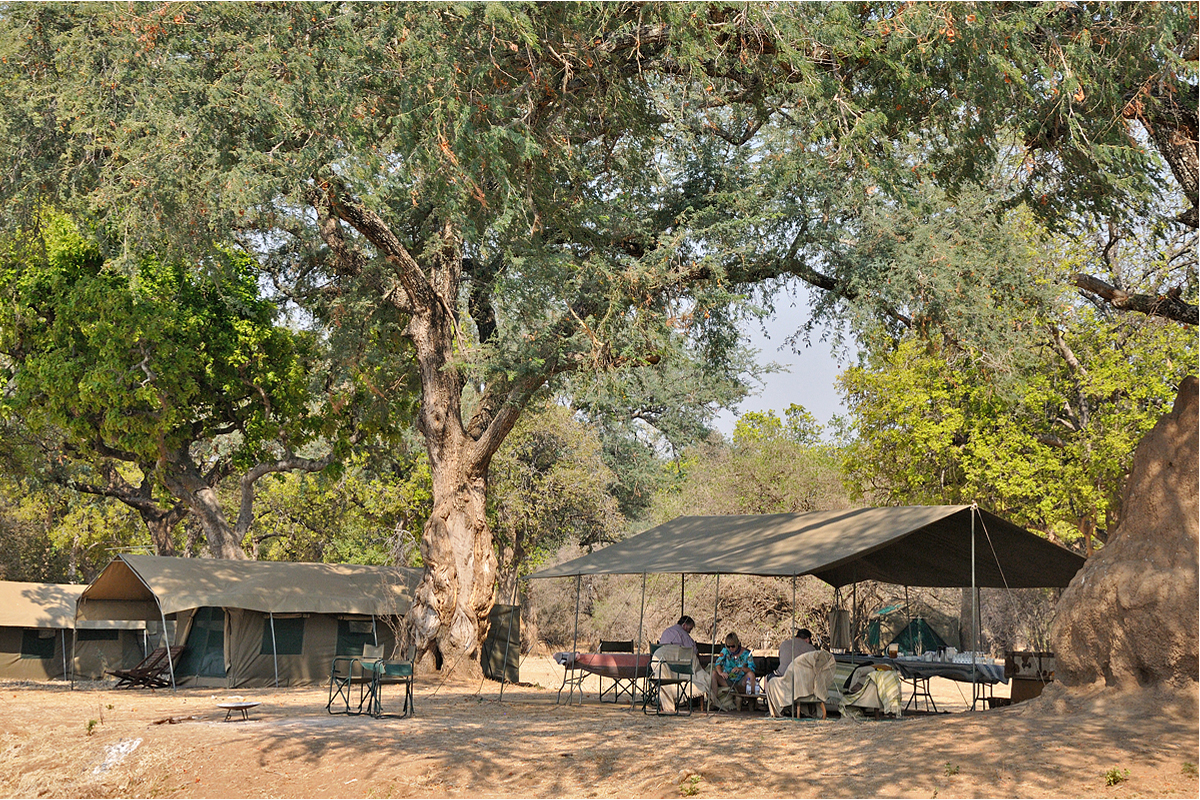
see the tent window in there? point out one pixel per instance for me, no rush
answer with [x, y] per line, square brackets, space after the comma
[352, 635]
[289, 636]
[93, 635]
[205, 653]
[39, 644]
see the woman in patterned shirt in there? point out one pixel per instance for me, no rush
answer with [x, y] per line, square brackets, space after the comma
[735, 666]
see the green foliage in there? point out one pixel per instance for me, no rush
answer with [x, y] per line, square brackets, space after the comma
[144, 365]
[369, 512]
[549, 486]
[1047, 448]
[950, 769]
[770, 468]
[1115, 776]
[799, 427]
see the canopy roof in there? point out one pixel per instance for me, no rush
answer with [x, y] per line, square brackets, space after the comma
[907, 545]
[42, 605]
[137, 587]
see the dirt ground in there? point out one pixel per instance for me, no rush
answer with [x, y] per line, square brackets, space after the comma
[464, 742]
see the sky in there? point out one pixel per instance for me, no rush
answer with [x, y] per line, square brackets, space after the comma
[812, 371]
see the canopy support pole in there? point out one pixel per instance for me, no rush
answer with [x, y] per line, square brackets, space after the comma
[974, 614]
[716, 600]
[908, 617]
[854, 615]
[681, 579]
[713, 652]
[62, 634]
[637, 646]
[508, 639]
[167, 639]
[792, 632]
[75, 646]
[275, 646]
[575, 641]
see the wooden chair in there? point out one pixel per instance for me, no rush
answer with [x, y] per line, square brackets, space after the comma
[152, 672]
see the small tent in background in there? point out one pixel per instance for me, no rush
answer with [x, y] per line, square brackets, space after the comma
[891, 624]
[254, 623]
[38, 635]
[917, 637]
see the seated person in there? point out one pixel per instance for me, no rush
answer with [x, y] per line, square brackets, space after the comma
[735, 666]
[790, 648]
[680, 633]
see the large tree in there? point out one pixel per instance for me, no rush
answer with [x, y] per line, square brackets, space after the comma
[151, 392]
[525, 191]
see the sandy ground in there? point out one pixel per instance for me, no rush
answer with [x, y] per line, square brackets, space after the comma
[464, 742]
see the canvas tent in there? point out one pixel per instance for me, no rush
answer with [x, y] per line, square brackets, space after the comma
[254, 623]
[37, 635]
[905, 545]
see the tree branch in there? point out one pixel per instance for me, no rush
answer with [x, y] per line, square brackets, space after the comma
[1170, 305]
[288, 463]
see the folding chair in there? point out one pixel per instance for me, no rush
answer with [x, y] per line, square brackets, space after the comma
[671, 673]
[619, 686]
[152, 672]
[346, 673]
[384, 673]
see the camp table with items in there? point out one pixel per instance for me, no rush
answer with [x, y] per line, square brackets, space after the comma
[983, 674]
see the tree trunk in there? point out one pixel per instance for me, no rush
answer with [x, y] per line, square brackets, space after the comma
[184, 480]
[160, 523]
[450, 607]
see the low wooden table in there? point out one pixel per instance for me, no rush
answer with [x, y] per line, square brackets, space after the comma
[243, 707]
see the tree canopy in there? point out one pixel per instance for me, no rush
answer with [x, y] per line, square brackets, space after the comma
[518, 192]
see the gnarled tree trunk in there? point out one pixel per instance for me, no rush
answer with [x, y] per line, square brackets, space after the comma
[184, 480]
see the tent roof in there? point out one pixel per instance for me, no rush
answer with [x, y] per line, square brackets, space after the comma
[41, 605]
[908, 545]
[137, 586]
[38, 605]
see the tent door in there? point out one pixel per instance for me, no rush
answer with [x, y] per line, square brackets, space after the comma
[205, 654]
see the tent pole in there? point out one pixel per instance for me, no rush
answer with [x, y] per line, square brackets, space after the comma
[167, 639]
[907, 609]
[974, 613]
[637, 645]
[854, 615]
[681, 579]
[62, 634]
[75, 645]
[274, 647]
[507, 639]
[712, 663]
[575, 642]
[716, 600]
[792, 632]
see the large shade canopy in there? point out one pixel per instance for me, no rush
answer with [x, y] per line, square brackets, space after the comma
[137, 587]
[908, 545]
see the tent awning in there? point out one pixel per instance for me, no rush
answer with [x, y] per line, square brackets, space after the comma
[907, 545]
[138, 586]
[43, 605]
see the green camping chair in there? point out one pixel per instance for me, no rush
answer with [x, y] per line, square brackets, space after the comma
[664, 673]
[346, 673]
[384, 673]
